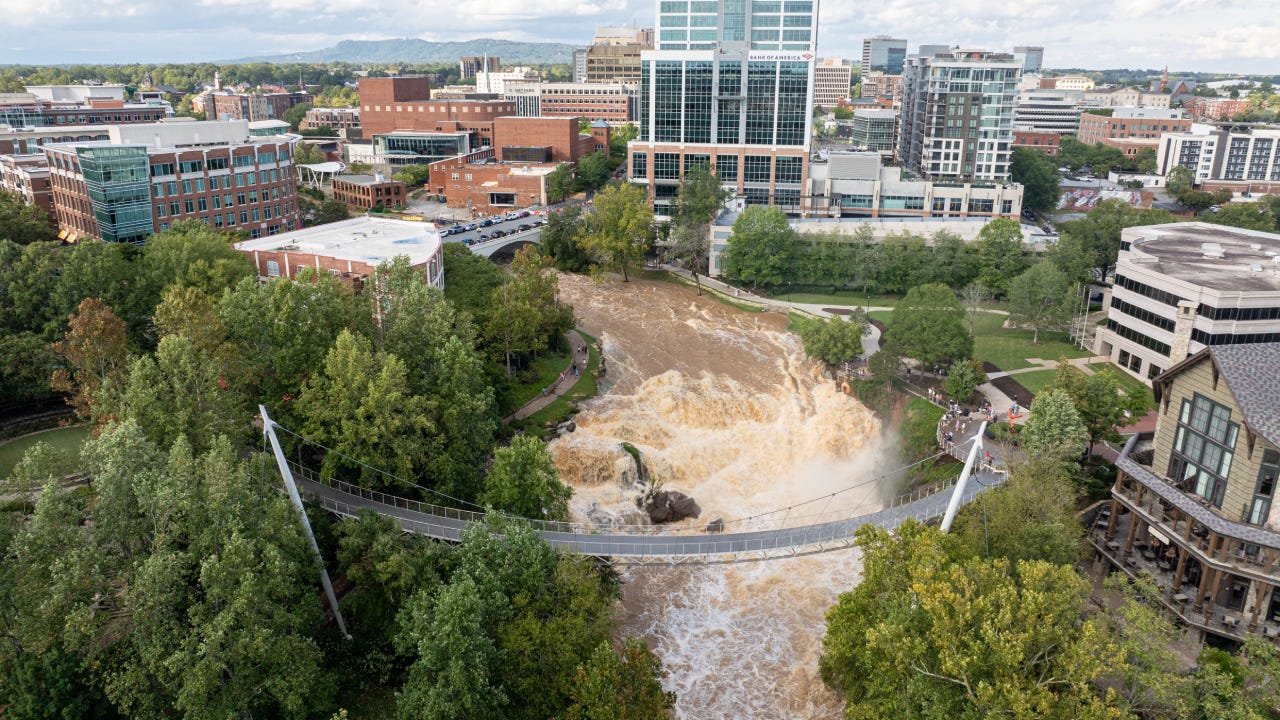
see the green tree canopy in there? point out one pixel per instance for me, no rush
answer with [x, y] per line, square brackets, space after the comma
[760, 248]
[963, 377]
[622, 685]
[834, 340]
[928, 325]
[1000, 258]
[22, 223]
[1038, 175]
[524, 482]
[560, 239]
[1054, 428]
[1041, 298]
[928, 635]
[619, 230]
[1101, 402]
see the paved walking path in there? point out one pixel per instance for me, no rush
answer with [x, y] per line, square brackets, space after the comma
[559, 387]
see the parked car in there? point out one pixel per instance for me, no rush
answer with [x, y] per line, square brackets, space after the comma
[523, 214]
[483, 237]
[522, 227]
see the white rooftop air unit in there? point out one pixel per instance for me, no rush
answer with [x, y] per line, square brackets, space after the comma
[1212, 250]
[1255, 246]
[1255, 267]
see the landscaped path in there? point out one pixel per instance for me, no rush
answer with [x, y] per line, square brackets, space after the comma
[559, 387]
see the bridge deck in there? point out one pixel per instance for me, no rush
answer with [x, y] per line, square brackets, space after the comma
[635, 547]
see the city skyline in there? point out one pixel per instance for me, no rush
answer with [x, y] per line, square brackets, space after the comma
[1079, 35]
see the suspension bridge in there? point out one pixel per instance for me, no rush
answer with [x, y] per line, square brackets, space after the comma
[804, 528]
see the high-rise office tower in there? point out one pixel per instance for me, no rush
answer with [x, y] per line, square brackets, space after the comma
[728, 86]
[1032, 58]
[883, 54]
[957, 114]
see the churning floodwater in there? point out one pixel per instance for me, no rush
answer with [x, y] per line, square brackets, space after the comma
[723, 406]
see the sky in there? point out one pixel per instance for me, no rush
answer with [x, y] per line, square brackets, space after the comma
[1193, 35]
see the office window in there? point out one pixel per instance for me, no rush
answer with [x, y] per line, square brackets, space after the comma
[666, 166]
[639, 165]
[1203, 448]
[789, 169]
[727, 168]
[756, 168]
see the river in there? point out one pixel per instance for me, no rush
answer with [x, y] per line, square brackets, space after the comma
[722, 405]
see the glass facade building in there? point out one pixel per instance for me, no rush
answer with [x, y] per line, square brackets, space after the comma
[119, 185]
[729, 86]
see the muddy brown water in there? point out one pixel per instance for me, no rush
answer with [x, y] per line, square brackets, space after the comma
[722, 405]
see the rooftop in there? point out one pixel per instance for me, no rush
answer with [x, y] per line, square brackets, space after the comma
[363, 179]
[369, 240]
[1213, 256]
[1252, 373]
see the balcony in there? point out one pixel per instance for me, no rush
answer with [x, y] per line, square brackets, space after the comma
[1215, 574]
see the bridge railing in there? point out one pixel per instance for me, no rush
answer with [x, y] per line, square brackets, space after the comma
[779, 520]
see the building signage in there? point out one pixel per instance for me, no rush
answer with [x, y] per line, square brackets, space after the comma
[784, 56]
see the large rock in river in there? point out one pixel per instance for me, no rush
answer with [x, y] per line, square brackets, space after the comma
[671, 506]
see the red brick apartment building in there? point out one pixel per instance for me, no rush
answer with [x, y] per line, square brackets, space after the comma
[28, 177]
[1214, 108]
[1131, 124]
[146, 177]
[1049, 142]
[368, 191]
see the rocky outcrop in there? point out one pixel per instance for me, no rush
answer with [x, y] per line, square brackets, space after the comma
[670, 506]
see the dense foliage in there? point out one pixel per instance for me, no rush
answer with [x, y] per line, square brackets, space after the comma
[179, 583]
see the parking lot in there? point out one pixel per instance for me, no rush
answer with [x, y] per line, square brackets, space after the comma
[475, 231]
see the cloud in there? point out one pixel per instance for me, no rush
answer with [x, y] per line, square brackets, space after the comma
[1186, 34]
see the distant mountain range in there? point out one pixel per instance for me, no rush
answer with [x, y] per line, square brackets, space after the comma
[413, 50]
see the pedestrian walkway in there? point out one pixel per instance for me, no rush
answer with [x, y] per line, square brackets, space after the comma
[559, 387]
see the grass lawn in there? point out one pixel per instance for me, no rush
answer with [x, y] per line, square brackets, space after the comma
[548, 367]
[68, 439]
[561, 408]
[1008, 349]
[881, 315]
[1130, 384]
[1035, 381]
[848, 298]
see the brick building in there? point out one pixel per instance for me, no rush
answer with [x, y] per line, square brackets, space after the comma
[27, 110]
[27, 176]
[1214, 108]
[1130, 124]
[490, 187]
[351, 249]
[1049, 142]
[615, 103]
[404, 103]
[339, 119]
[143, 178]
[232, 106]
[368, 191]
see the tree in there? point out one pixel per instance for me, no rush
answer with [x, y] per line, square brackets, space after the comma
[963, 377]
[94, 356]
[26, 362]
[1040, 298]
[701, 197]
[594, 171]
[296, 114]
[1000, 257]
[928, 635]
[928, 325]
[181, 391]
[1100, 402]
[305, 153]
[974, 295]
[361, 406]
[331, 211]
[452, 676]
[471, 281]
[1197, 200]
[560, 239]
[1054, 428]
[22, 223]
[1039, 177]
[619, 230]
[524, 482]
[1250, 216]
[560, 184]
[1099, 232]
[1030, 517]
[191, 254]
[761, 246]
[1145, 160]
[1178, 180]
[619, 137]
[622, 685]
[834, 340]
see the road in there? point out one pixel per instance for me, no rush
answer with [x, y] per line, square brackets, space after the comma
[508, 226]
